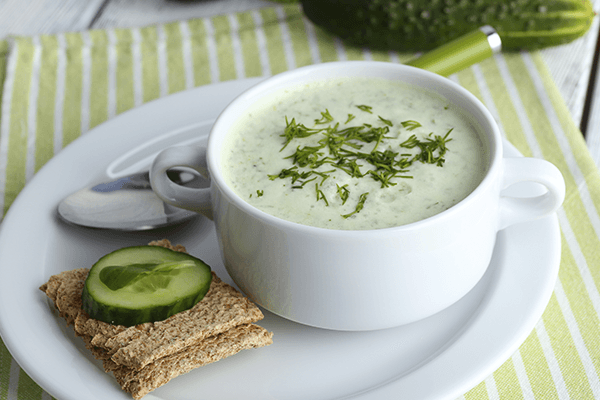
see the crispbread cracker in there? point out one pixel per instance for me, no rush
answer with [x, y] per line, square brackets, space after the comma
[146, 356]
[98, 331]
[211, 349]
[221, 309]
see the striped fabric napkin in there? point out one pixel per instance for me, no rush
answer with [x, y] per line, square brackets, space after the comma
[56, 88]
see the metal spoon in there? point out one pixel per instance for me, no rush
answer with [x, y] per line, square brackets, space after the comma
[127, 204]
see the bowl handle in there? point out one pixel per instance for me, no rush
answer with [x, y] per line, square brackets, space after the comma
[515, 209]
[193, 199]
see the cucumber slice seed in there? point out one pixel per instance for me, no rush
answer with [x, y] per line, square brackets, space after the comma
[139, 284]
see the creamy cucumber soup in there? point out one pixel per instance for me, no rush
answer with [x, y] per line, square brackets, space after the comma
[354, 153]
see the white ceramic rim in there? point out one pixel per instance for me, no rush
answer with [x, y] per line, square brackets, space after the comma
[443, 86]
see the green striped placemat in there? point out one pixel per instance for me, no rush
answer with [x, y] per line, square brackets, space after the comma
[56, 88]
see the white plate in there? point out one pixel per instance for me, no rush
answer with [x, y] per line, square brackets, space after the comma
[440, 357]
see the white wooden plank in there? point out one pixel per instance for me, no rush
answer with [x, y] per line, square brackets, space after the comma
[30, 17]
[593, 137]
[593, 126]
[129, 13]
[570, 66]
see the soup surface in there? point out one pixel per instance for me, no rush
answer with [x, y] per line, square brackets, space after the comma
[354, 154]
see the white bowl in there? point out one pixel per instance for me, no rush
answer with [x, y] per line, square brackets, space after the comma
[367, 279]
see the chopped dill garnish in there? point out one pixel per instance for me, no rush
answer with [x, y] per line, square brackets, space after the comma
[291, 173]
[321, 195]
[365, 108]
[433, 148]
[385, 121]
[325, 118]
[343, 192]
[358, 151]
[410, 124]
[361, 203]
[293, 130]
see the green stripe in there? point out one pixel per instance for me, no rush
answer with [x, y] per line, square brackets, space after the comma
[548, 144]
[98, 78]
[507, 383]
[353, 53]
[199, 52]
[73, 87]
[380, 56]
[566, 354]
[17, 149]
[540, 124]
[536, 366]
[44, 142]
[4, 48]
[150, 73]
[479, 392]
[249, 45]
[326, 44]
[582, 307]
[274, 43]
[572, 132]
[27, 388]
[124, 97]
[174, 54]
[466, 79]
[5, 361]
[298, 36]
[405, 57]
[224, 48]
[504, 106]
[573, 205]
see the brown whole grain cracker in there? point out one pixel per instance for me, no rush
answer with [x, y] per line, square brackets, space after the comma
[214, 348]
[221, 309]
[146, 356]
[99, 331]
[57, 290]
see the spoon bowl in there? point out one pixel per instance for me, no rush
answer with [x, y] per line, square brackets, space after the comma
[127, 203]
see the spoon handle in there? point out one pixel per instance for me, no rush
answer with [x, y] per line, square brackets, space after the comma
[460, 53]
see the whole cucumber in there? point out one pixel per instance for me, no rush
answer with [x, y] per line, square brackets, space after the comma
[415, 25]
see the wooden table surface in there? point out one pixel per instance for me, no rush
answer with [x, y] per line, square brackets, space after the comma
[575, 66]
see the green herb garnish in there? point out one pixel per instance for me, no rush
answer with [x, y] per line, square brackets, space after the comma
[325, 118]
[293, 130]
[410, 125]
[433, 148]
[359, 206]
[291, 173]
[343, 192]
[321, 195]
[358, 151]
[386, 121]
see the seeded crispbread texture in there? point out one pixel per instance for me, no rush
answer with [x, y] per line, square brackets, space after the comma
[60, 288]
[146, 356]
[221, 309]
[211, 349]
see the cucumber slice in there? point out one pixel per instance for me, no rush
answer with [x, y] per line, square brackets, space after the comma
[142, 284]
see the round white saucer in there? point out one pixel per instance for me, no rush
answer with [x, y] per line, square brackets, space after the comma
[437, 358]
